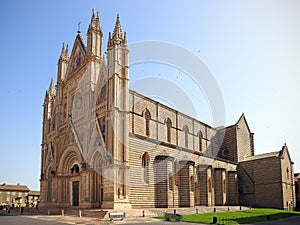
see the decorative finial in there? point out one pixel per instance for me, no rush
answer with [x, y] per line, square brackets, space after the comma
[66, 51]
[63, 48]
[79, 27]
[109, 40]
[125, 38]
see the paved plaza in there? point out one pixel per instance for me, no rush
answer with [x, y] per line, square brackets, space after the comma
[52, 220]
[59, 220]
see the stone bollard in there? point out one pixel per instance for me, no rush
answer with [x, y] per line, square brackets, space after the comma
[79, 213]
[62, 212]
[48, 211]
[215, 220]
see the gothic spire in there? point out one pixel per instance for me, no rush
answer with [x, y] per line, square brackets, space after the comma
[95, 23]
[95, 35]
[64, 52]
[117, 37]
[67, 52]
[117, 31]
[51, 88]
[46, 96]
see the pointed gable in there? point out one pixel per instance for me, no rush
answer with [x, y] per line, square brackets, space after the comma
[242, 121]
[78, 56]
[244, 139]
[285, 152]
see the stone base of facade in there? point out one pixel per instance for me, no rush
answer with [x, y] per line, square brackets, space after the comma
[116, 205]
[85, 205]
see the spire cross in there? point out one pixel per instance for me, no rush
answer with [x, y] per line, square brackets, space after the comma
[79, 26]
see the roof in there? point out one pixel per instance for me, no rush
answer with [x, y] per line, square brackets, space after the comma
[279, 154]
[262, 156]
[12, 187]
[34, 193]
[242, 117]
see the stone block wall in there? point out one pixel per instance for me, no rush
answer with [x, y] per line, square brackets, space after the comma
[255, 175]
[229, 146]
[287, 176]
[297, 192]
[220, 187]
[243, 140]
[186, 187]
[198, 136]
[232, 196]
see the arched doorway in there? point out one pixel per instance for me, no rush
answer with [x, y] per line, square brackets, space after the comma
[69, 176]
[75, 193]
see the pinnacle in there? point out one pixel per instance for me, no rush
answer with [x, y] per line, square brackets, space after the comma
[117, 31]
[51, 87]
[95, 22]
[62, 49]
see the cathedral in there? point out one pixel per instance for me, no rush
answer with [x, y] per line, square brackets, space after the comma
[106, 146]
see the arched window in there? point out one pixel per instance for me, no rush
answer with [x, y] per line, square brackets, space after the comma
[145, 167]
[74, 169]
[169, 126]
[147, 117]
[200, 136]
[185, 131]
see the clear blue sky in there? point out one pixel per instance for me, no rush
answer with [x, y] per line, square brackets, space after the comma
[252, 47]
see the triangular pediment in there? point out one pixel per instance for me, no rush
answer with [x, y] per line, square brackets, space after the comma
[69, 138]
[78, 56]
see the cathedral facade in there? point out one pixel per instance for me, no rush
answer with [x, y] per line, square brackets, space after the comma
[106, 146]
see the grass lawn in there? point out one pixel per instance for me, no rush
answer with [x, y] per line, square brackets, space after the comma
[239, 217]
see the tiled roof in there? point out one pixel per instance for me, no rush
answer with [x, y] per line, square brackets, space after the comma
[34, 193]
[11, 187]
[262, 156]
